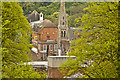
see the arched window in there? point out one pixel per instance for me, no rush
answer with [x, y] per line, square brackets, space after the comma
[61, 33]
[63, 23]
[63, 17]
[41, 15]
[64, 33]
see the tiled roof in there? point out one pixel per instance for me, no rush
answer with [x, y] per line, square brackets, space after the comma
[47, 23]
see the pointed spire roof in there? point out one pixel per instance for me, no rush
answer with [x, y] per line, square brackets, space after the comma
[62, 20]
[62, 7]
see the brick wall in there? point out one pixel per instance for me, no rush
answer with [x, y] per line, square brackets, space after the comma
[52, 32]
[54, 73]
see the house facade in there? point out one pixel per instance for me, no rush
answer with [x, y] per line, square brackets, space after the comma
[44, 39]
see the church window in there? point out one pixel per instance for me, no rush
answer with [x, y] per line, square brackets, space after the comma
[63, 17]
[64, 33]
[63, 23]
[61, 33]
[41, 15]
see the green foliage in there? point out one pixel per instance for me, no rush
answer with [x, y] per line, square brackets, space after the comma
[76, 13]
[51, 10]
[98, 42]
[23, 71]
[15, 42]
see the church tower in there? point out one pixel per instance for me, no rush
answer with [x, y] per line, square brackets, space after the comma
[63, 30]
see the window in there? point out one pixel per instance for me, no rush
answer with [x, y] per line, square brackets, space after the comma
[41, 15]
[55, 47]
[64, 33]
[63, 17]
[48, 37]
[63, 23]
[44, 47]
[61, 33]
[51, 47]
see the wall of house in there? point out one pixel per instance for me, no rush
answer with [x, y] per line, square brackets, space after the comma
[53, 72]
[50, 52]
[52, 32]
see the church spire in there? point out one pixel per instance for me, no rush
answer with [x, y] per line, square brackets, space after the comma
[62, 21]
[63, 30]
[62, 7]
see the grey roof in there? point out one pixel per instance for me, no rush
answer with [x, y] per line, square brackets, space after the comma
[71, 32]
[34, 16]
[47, 23]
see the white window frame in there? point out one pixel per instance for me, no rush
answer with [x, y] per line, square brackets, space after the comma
[52, 47]
[46, 47]
[56, 47]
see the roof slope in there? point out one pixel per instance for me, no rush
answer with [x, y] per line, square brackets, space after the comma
[47, 23]
[34, 16]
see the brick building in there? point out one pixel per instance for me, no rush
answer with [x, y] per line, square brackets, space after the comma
[50, 38]
[44, 38]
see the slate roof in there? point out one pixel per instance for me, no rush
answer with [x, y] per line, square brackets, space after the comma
[48, 24]
[34, 16]
[71, 32]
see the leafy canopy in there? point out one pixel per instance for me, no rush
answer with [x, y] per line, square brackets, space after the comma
[15, 43]
[98, 45]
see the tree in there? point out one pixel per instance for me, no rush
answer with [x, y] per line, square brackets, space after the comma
[15, 43]
[76, 13]
[98, 45]
[49, 9]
